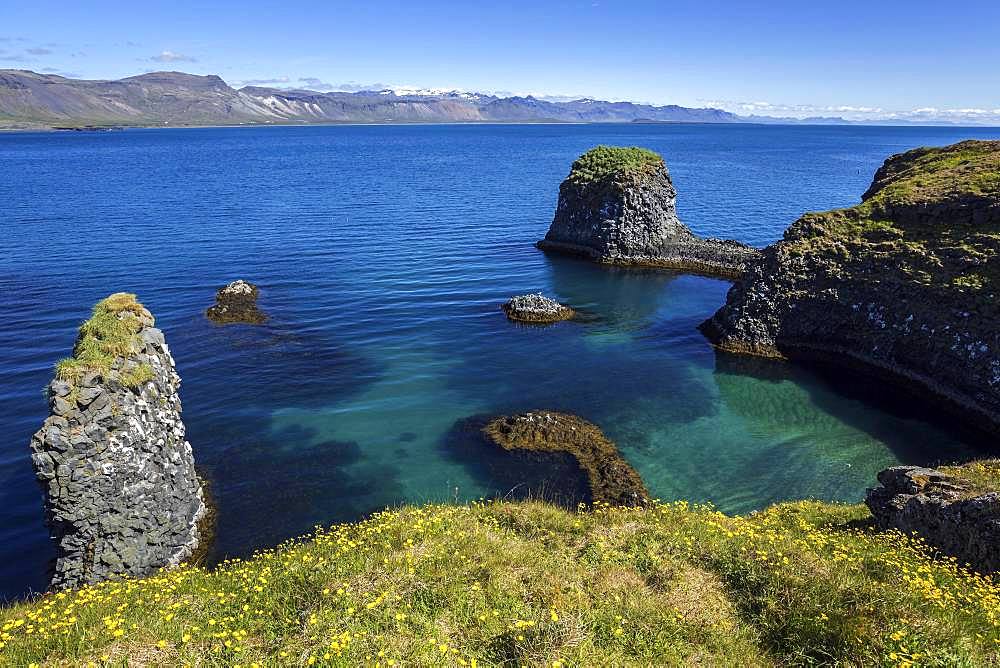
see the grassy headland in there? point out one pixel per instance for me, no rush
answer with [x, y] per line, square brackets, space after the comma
[511, 584]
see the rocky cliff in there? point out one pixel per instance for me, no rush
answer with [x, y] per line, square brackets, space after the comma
[617, 206]
[121, 493]
[949, 509]
[903, 284]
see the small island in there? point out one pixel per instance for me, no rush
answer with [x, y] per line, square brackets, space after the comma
[904, 284]
[536, 309]
[617, 206]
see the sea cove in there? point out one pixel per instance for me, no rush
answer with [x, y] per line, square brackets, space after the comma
[382, 255]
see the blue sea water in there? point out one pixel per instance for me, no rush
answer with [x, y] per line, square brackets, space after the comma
[383, 253]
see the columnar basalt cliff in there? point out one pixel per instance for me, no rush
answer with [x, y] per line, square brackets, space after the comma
[904, 284]
[121, 493]
[617, 206]
[947, 510]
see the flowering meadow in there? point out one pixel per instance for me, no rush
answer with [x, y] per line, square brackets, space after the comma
[529, 584]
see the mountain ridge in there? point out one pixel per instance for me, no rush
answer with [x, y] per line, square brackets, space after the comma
[32, 100]
[36, 101]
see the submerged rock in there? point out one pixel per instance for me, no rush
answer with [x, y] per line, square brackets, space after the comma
[949, 513]
[536, 308]
[617, 206]
[236, 302]
[904, 284]
[121, 493]
[612, 479]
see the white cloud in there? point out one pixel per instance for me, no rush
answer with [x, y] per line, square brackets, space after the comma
[167, 56]
[860, 113]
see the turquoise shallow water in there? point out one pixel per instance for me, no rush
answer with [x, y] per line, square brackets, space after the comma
[383, 254]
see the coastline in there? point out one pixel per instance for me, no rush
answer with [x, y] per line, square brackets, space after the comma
[741, 124]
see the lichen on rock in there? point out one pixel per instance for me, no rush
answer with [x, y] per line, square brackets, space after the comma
[612, 479]
[236, 303]
[121, 493]
[617, 206]
[904, 284]
[536, 308]
[949, 512]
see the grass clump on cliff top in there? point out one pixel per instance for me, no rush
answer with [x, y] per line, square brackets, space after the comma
[528, 584]
[108, 334]
[968, 168]
[601, 162]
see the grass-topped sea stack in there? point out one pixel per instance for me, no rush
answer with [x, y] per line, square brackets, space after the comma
[121, 493]
[617, 206]
[905, 283]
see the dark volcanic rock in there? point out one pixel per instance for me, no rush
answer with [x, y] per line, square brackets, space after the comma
[617, 206]
[121, 493]
[236, 302]
[943, 510]
[536, 308]
[904, 284]
[612, 479]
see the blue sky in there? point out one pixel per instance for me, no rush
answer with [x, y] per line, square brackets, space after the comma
[849, 58]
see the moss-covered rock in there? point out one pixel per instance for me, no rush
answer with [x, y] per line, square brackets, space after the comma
[903, 284]
[611, 478]
[617, 206]
[236, 303]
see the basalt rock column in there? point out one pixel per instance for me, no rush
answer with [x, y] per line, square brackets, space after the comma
[617, 206]
[121, 493]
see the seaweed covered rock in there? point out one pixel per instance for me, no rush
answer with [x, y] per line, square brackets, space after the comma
[536, 308]
[236, 302]
[948, 511]
[612, 479]
[904, 284]
[617, 206]
[121, 493]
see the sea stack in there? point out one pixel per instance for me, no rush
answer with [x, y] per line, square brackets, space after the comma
[617, 206]
[536, 309]
[904, 284]
[236, 303]
[121, 493]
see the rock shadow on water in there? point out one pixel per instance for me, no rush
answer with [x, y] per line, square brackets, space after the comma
[910, 425]
[283, 484]
[607, 294]
[554, 477]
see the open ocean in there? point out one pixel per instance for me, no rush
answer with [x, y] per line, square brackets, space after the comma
[383, 254]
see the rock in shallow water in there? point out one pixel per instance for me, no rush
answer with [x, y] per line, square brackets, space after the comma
[617, 206]
[536, 308]
[236, 303]
[612, 479]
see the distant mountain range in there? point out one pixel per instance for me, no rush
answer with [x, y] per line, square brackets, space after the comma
[30, 100]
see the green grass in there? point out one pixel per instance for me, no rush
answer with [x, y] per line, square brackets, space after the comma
[603, 162]
[981, 476]
[928, 174]
[953, 257]
[512, 584]
[108, 334]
